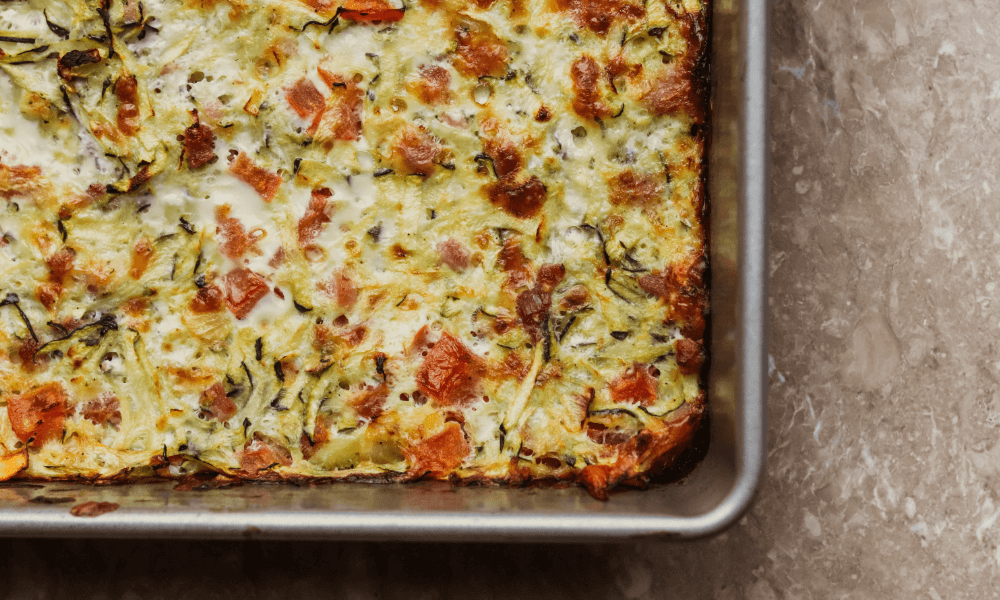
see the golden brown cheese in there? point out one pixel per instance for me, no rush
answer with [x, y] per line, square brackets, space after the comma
[352, 239]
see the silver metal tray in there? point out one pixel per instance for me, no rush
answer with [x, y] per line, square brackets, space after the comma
[713, 496]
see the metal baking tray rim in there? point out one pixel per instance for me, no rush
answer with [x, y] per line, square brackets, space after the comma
[427, 511]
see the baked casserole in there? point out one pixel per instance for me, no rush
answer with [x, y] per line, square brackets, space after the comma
[358, 239]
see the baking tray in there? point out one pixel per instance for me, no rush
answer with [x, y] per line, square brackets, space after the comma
[712, 497]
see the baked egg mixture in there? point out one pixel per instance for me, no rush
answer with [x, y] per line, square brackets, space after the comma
[357, 239]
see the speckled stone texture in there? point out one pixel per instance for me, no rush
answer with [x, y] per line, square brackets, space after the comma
[884, 468]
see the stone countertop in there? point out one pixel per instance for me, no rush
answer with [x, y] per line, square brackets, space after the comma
[883, 478]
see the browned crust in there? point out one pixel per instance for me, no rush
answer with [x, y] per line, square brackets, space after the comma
[645, 455]
[641, 458]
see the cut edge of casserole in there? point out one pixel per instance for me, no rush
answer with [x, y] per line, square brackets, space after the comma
[365, 240]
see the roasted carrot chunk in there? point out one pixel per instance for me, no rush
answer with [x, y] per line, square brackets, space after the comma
[440, 453]
[371, 401]
[341, 288]
[235, 239]
[635, 386]
[265, 182]
[37, 416]
[449, 373]
[244, 289]
[340, 119]
[304, 98]
[215, 401]
[261, 453]
[316, 217]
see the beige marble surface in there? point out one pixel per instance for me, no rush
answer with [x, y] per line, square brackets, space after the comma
[883, 478]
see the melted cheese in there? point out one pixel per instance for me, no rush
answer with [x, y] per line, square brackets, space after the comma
[342, 251]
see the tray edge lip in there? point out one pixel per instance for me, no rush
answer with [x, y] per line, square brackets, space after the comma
[465, 526]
